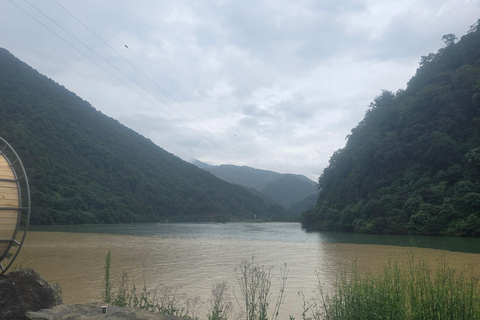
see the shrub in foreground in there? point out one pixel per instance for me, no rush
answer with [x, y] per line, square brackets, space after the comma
[406, 289]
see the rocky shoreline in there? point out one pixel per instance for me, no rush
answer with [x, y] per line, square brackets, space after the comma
[94, 311]
[26, 295]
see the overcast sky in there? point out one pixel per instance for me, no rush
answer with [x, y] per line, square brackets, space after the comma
[274, 85]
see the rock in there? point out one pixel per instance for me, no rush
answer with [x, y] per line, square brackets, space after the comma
[25, 290]
[94, 311]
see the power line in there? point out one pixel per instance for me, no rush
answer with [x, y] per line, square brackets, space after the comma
[111, 74]
[239, 149]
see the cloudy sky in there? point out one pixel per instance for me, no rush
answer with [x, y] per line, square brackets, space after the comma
[274, 85]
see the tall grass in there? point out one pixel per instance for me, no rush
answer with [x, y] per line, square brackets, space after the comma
[406, 289]
[163, 299]
[255, 282]
[221, 306]
[107, 295]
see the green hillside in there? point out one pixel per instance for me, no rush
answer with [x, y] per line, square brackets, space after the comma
[85, 167]
[412, 165]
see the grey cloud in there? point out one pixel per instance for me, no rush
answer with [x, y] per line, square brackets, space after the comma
[282, 80]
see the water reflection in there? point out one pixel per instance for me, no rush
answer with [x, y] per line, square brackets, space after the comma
[471, 245]
[284, 232]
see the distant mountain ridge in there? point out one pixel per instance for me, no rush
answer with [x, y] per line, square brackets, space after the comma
[286, 189]
[85, 167]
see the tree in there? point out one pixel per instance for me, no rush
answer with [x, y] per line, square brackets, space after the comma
[449, 39]
[412, 165]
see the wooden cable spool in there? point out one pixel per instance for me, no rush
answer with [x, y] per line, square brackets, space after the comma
[14, 204]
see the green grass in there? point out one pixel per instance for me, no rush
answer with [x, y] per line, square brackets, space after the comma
[407, 288]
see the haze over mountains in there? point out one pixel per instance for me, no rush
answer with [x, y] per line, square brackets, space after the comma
[411, 166]
[285, 189]
[85, 167]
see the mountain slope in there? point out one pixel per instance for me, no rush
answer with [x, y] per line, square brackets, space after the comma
[286, 189]
[289, 189]
[412, 165]
[244, 176]
[85, 167]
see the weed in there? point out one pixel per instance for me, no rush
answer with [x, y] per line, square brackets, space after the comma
[221, 306]
[255, 283]
[107, 295]
[405, 290]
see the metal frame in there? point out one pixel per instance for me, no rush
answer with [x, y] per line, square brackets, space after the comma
[22, 210]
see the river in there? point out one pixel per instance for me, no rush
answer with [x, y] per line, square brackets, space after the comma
[193, 257]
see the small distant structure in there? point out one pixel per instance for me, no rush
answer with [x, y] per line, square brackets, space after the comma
[14, 204]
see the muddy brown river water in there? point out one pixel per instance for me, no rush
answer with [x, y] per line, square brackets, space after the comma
[193, 257]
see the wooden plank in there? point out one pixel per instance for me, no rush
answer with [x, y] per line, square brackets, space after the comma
[7, 221]
[7, 224]
[10, 226]
[4, 245]
[8, 190]
[8, 184]
[6, 234]
[8, 214]
[9, 193]
[5, 169]
[9, 203]
[14, 203]
[6, 175]
[3, 160]
[8, 196]
[3, 248]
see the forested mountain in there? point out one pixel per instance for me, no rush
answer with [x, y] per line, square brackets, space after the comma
[85, 167]
[412, 165]
[285, 189]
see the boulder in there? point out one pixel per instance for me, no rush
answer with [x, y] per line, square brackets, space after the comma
[25, 290]
[93, 311]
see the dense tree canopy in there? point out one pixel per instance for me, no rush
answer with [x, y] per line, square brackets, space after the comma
[412, 165]
[85, 167]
